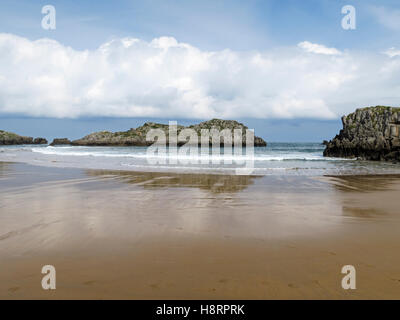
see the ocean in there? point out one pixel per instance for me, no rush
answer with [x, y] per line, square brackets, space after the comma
[275, 159]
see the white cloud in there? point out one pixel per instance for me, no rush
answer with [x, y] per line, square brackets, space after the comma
[390, 18]
[165, 78]
[318, 48]
[392, 52]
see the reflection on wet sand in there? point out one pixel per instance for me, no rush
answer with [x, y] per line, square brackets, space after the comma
[213, 183]
[364, 183]
[367, 197]
[136, 235]
[4, 168]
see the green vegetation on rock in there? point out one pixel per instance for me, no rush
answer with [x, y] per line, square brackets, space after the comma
[137, 137]
[371, 133]
[10, 138]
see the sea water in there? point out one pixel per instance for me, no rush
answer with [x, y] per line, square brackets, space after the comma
[275, 159]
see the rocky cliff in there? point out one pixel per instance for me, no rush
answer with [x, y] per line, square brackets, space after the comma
[9, 138]
[137, 137]
[369, 134]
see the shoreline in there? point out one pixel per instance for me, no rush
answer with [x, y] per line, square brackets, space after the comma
[263, 163]
[125, 171]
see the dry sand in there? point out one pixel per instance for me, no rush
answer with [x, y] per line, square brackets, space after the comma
[130, 235]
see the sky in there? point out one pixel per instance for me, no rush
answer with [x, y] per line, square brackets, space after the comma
[286, 68]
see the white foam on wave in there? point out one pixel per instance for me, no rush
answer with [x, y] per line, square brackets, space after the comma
[266, 160]
[82, 151]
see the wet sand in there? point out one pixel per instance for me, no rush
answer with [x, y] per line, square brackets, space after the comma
[130, 235]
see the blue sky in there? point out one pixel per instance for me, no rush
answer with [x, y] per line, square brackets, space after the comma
[208, 24]
[243, 27]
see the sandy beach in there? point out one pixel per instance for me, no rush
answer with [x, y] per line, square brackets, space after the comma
[132, 235]
[211, 151]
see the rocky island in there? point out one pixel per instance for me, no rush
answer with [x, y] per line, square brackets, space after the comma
[9, 138]
[60, 141]
[368, 134]
[137, 137]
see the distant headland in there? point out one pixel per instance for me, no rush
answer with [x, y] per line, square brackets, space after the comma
[137, 136]
[9, 138]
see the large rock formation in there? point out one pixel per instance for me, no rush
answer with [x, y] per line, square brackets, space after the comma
[39, 141]
[370, 134]
[9, 138]
[60, 141]
[137, 137]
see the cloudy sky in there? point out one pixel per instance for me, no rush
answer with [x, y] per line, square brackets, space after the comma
[286, 68]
